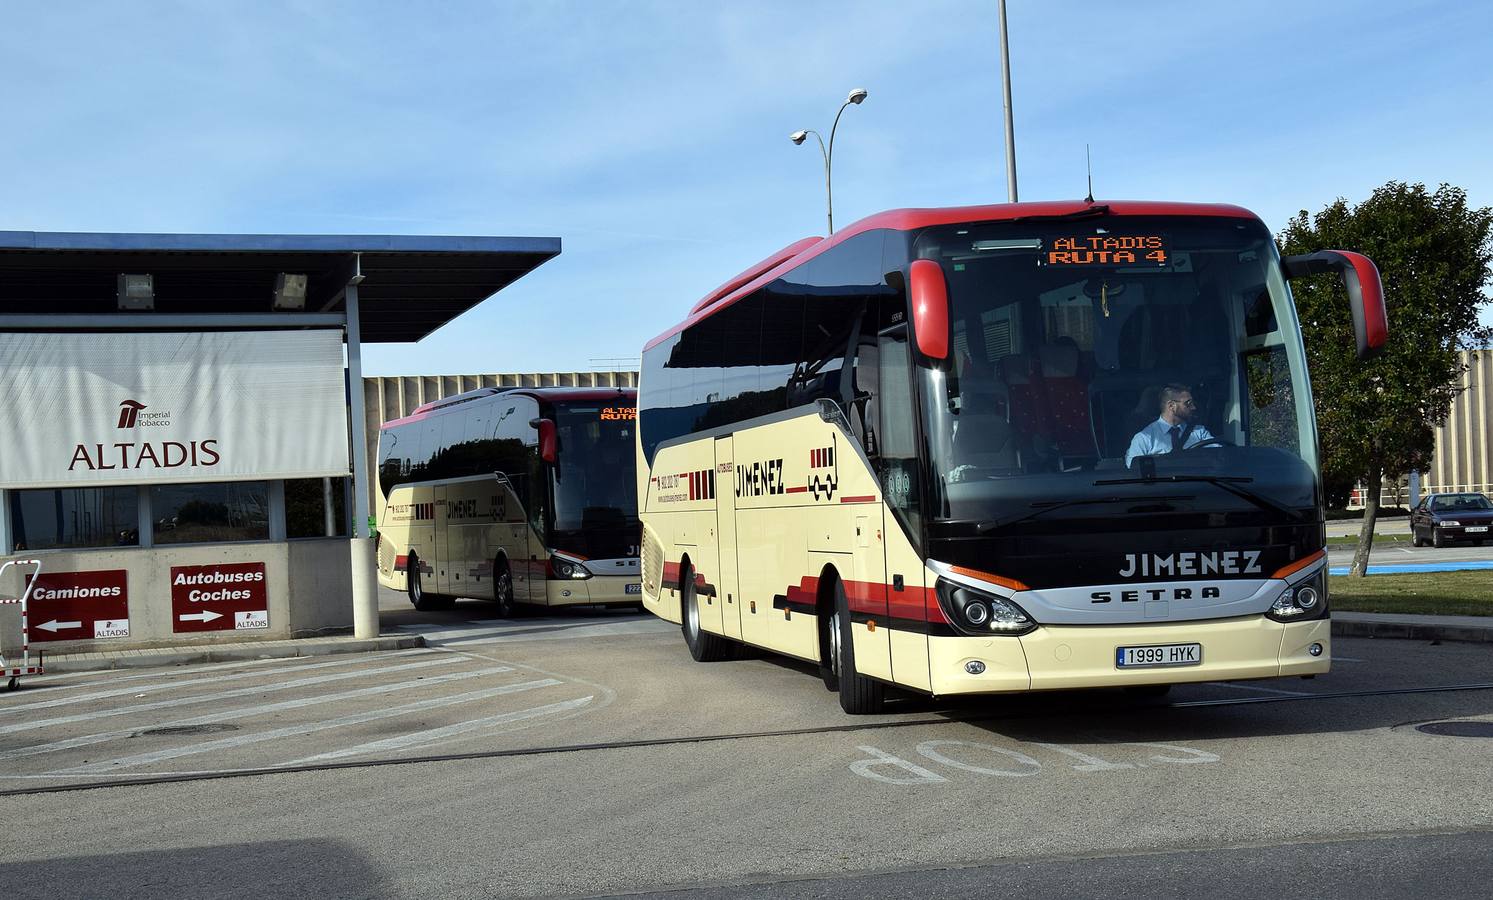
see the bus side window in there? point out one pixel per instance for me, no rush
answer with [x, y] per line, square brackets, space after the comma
[897, 432]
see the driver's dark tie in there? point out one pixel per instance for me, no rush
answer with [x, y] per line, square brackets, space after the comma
[1176, 434]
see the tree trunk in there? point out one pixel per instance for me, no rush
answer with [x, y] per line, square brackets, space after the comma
[1370, 514]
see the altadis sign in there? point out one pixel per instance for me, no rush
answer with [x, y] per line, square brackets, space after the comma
[80, 606]
[157, 408]
[222, 597]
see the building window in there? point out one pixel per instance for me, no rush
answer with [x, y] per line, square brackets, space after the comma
[305, 508]
[210, 513]
[74, 518]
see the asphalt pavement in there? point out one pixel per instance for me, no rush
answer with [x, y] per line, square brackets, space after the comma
[585, 753]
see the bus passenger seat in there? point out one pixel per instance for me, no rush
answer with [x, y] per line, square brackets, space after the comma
[1067, 392]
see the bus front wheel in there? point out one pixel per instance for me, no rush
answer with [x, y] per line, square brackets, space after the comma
[703, 646]
[502, 588]
[859, 695]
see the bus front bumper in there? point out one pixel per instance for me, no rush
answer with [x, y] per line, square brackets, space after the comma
[604, 589]
[1062, 657]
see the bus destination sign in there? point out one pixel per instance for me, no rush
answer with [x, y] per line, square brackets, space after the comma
[1108, 250]
[619, 413]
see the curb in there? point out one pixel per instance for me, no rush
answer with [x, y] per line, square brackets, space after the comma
[1414, 631]
[63, 664]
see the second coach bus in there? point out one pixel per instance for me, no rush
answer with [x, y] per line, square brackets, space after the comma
[992, 449]
[514, 496]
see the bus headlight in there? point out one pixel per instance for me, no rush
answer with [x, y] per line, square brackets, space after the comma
[1299, 602]
[561, 567]
[980, 613]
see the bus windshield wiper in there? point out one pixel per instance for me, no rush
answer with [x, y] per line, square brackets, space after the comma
[1044, 507]
[1230, 483]
[1098, 209]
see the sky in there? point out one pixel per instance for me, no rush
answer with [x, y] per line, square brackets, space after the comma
[652, 137]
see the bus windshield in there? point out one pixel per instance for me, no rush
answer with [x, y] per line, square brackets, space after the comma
[1109, 359]
[596, 505]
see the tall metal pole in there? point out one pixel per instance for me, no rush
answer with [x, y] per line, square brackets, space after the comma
[364, 582]
[1010, 126]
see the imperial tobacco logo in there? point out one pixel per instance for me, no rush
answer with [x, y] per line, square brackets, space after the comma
[142, 454]
[129, 413]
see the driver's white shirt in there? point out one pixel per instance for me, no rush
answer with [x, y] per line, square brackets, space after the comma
[1157, 438]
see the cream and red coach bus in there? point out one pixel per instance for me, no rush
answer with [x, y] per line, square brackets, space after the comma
[521, 496]
[934, 451]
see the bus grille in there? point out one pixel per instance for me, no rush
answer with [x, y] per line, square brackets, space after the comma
[653, 562]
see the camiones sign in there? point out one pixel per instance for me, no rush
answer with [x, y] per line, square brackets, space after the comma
[152, 408]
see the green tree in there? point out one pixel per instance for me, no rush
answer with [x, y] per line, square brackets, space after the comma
[1378, 417]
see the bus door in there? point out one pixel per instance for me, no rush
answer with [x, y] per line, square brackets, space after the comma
[728, 590]
[511, 532]
[442, 541]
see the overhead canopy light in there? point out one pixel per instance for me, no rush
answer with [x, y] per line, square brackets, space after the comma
[290, 291]
[136, 292]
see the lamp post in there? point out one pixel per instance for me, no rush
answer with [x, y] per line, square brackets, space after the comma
[798, 137]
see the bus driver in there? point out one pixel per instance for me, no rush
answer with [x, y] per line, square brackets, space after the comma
[1174, 430]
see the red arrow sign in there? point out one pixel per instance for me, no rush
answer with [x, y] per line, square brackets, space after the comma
[80, 606]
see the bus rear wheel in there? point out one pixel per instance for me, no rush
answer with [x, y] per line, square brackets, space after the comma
[418, 598]
[703, 646]
[859, 695]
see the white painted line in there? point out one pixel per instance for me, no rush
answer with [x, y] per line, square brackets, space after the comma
[1337, 658]
[220, 695]
[173, 685]
[1251, 687]
[250, 711]
[117, 675]
[436, 734]
[275, 734]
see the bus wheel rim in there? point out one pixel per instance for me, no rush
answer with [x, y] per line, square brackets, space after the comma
[834, 642]
[692, 617]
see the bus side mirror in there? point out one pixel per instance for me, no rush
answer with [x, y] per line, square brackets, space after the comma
[549, 443]
[1365, 292]
[930, 308]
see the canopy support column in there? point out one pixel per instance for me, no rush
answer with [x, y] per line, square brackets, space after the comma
[364, 562]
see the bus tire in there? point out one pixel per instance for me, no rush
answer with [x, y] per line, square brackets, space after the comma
[859, 695]
[418, 598]
[502, 588]
[703, 646]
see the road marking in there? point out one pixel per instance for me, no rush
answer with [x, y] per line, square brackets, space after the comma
[221, 695]
[149, 689]
[250, 711]
[115, 676]
[1086, 763]
[242, 740]
[930, 750]
[436, 734]
[1252, 687]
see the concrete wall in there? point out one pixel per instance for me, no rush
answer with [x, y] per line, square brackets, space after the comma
[308, 589]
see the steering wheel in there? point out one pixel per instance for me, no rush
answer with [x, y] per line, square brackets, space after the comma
[1210, 442]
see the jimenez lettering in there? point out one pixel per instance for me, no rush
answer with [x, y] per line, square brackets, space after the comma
[1230, 562]
[146, 455]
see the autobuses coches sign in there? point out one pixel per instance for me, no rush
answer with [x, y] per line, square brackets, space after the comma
[152, 408]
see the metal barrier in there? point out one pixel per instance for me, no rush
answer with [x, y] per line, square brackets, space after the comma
[12, 672]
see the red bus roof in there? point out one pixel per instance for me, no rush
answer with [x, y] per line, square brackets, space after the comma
[912, 219]
[543, 394]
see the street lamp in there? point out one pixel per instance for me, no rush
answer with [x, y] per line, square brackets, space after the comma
[798, 137]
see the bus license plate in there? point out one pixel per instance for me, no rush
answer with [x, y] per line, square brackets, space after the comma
[632, 588]
[1158, 655]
